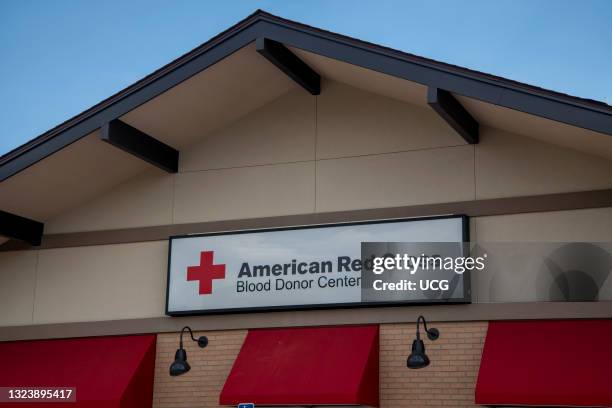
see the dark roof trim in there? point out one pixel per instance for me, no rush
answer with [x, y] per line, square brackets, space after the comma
[290, 64]
[21, 228]
[488, 88]
[453, 113]
[139, 144]
[114, 107]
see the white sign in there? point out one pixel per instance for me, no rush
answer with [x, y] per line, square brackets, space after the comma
[299, 267]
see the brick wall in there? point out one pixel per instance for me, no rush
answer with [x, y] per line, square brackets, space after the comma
[448, 381]
[209, 368]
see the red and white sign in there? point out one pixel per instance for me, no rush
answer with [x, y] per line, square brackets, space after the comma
[205, 272]
[301, 267]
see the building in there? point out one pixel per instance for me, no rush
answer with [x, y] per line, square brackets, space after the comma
[270, 125]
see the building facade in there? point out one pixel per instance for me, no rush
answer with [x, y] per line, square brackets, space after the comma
[259, 147]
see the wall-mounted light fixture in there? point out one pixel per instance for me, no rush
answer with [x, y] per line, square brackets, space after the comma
[180, 364]
[418, 358]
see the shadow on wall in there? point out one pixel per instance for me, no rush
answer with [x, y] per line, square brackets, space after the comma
[574, 272]
[545, 272]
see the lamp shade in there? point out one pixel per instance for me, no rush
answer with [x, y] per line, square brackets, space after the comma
[417, 358]
[180, 364]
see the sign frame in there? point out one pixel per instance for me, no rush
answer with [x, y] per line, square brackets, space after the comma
[466, 299]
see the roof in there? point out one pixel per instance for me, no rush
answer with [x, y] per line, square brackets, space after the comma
[580, 112]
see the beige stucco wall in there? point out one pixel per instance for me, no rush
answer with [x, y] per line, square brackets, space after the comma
[588, 225]
[396, 179]
[92, 283]
[510, 165]
[124, 281]
[353, 122]
[345, 149]
[141, 201]
[282, 131]
[521, 247]
[246, 192]
[17, 284]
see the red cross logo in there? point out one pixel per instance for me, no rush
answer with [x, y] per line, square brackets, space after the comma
[206, 272]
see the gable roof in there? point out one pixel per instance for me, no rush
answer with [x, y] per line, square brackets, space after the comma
[579, 112]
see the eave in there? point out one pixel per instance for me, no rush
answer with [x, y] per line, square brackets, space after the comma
[460, 81]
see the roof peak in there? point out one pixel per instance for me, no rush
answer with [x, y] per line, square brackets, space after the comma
[380, 56]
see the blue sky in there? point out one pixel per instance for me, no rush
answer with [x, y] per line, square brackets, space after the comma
[61, 57]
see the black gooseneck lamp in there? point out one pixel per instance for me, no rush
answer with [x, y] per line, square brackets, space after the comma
[180, 364]
[418, 358]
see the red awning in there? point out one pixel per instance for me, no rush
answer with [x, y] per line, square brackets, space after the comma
[306, 366]
[110, 372]
[547, 363]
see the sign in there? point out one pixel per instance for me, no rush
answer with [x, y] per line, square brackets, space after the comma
[296, 268]
[246, 405]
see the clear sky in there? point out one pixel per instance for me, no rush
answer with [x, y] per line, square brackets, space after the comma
[60, 57]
